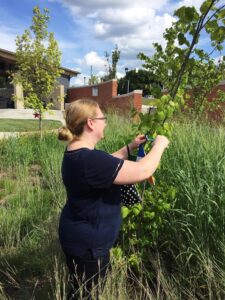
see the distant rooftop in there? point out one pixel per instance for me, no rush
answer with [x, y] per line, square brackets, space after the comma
[10, 57]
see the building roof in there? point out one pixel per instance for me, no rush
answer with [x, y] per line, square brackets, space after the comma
[10, 57]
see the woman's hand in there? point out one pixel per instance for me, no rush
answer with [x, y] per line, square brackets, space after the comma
[162, 141]
[140, 139]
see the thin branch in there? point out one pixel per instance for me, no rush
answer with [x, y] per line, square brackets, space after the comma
[195, 36]
[213, 15]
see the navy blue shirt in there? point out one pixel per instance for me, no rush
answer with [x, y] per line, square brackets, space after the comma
[91, 217]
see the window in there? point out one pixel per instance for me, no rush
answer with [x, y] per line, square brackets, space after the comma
[2, 82]
[95, 91]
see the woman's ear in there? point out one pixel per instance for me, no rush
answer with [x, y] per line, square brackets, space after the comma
[90, 124]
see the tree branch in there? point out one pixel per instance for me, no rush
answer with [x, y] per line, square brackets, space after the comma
[176, 85]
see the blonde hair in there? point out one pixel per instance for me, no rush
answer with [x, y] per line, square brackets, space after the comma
[76, 115]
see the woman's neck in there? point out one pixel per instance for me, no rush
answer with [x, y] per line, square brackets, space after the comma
[77, 144]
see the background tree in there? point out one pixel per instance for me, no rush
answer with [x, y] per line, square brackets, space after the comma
[94, 79]
[139, 80]
[111, 67]
[182, 63]
[38, 63]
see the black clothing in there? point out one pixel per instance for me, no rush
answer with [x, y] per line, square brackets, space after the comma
[91, 218]
[87, 275]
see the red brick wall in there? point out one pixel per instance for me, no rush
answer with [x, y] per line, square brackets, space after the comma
[124, 102]
[107, 96]
[217, 114]
[214, 93]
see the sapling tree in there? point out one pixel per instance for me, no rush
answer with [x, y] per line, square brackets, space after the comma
[111, 66]
[38, 63]
[179, 65]
[182, 62]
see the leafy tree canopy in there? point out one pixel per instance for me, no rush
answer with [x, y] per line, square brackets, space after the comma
[139, 80]
[182, 62]
[38, 61]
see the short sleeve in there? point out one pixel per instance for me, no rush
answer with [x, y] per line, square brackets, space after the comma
[101, 168]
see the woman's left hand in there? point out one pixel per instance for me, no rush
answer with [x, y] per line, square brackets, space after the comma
[140, 139]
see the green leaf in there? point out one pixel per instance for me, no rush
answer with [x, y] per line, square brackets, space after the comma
[160, 116]
[205, 5]
[125, 212]
[189, 13]
[149, 215]
[221, 14]
[211, 26]
[185, 14]
[182, 40]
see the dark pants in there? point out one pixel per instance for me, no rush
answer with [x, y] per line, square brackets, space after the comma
[87, 275]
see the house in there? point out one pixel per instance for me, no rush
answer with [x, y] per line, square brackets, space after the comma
[7, 89]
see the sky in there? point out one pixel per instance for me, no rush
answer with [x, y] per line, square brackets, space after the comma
[86, 29]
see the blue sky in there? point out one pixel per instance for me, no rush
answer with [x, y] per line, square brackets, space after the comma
[85, 29]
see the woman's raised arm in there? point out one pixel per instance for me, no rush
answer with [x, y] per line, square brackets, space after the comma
[132, 172]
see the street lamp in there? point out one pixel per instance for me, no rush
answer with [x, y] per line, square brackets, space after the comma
[128, 82]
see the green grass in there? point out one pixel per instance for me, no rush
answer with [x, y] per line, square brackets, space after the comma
[188, 260]
[152, 102]
[194, 235]
[15, 125]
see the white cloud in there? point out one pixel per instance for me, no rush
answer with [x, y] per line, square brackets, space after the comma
[7, 38]
[101, 29]
[119, 75]
[90, 7]
[196, 3]
[132, 26]
[218, 59]
[92, 59]
[141, 40]
[77, 81]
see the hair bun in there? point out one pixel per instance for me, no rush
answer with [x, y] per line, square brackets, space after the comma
[64, 134]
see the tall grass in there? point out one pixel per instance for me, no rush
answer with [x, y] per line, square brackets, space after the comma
[188, 262]
[194, 237]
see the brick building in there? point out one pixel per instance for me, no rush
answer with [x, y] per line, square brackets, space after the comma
[105, 94]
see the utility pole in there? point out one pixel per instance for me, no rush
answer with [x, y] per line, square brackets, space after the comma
[128, 81]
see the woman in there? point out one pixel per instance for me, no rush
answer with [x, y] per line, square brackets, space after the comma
[91, 217]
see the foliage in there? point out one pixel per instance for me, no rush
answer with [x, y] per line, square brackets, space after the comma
[146, 220]
[38, 62]
[111, 67]
[94, 79]
[199, 90]
[182, 63]
[138, 80]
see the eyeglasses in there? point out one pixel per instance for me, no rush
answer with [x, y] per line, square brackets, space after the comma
[102, 118]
